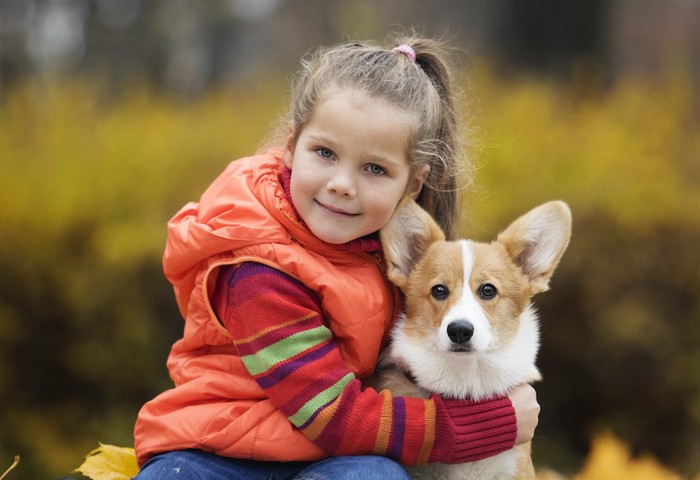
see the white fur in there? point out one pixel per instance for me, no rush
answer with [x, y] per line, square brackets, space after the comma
[467, 308]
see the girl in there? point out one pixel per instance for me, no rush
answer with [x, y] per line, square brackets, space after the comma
[278, 274]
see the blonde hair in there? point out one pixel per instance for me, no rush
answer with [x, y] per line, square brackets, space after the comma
[425, 86]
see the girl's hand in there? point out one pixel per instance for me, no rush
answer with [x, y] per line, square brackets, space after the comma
[527, 410]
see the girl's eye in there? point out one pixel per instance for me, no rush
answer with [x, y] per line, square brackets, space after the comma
[487, 291]
[324, 152]
[376, 170]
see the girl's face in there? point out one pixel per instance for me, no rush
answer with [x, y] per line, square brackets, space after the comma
[350, 165]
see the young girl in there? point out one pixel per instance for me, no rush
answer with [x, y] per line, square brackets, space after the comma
[278, 274]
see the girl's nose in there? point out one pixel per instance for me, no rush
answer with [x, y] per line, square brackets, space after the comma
[342, 183]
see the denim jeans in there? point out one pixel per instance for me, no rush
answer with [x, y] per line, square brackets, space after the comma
[199, 465]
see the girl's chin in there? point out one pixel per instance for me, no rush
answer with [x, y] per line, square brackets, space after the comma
[334, 237]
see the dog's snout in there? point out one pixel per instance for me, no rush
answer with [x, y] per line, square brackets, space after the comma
[460, 331]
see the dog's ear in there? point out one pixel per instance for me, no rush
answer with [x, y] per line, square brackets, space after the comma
[537, 240]
[406, 237]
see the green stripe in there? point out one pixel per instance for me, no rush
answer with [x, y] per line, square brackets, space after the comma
[262, 360]
[312, 406]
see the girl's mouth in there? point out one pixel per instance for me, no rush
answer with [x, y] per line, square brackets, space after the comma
[336, 211]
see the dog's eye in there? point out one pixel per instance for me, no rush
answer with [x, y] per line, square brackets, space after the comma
[440, 292]
[487, 291]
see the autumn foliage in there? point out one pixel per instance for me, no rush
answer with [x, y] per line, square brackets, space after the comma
[90, 177]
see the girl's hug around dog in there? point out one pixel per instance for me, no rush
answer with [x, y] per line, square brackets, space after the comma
[279, 275]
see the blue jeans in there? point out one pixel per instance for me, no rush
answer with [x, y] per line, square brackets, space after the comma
[199, 465]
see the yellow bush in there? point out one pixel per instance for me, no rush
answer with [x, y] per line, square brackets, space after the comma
[70, 154]
[610, 458]
[89, 182]
[633, 153]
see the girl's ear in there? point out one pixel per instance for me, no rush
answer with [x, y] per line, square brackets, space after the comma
[288, 156]
[416, 184]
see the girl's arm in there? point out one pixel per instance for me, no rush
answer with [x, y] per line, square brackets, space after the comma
[277, 327]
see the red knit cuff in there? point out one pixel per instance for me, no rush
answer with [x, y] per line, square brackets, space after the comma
[467, 430]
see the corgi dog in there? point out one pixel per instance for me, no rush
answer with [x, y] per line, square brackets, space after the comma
[469, 329]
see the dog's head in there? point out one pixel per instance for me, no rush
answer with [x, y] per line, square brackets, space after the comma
[465, 296]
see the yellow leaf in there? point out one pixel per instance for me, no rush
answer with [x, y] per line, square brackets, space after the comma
[108, 462]
[610, 458]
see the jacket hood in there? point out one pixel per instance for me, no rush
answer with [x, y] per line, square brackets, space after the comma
[244, 206]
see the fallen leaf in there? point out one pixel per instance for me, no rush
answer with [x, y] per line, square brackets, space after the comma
[108, 462]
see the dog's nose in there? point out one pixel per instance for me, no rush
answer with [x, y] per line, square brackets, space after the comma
[460, 331]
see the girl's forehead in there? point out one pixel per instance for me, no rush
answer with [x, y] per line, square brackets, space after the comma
[362, 102]
[357, 94]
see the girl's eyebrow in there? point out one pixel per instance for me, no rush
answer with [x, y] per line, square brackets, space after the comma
[385, 160]
[320, 138]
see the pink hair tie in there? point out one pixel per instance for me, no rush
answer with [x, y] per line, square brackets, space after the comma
[405, 50]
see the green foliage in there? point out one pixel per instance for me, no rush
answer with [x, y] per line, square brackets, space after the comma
[90, 181]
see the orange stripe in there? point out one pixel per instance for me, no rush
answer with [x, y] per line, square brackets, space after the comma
[429, 435]
[277, 326]
[385, 422]
[319, 423]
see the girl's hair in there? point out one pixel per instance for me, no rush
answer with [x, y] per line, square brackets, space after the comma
[425, 86]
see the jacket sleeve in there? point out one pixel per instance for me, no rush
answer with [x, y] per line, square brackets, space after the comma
[277, 327]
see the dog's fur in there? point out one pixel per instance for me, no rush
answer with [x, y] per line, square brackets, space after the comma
[457, 337]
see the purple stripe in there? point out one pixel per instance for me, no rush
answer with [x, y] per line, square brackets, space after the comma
[398, 430]
[250, 269]
[286, 368]
[273, 280]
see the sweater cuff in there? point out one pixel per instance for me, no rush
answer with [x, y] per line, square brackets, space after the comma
[468, 430]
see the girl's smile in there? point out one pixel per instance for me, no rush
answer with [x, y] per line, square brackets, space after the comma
[337, 211]
[350, 167]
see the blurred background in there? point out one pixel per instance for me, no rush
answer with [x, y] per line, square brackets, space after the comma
[114, 113]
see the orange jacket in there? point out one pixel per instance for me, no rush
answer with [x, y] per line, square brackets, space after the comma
[216, 405]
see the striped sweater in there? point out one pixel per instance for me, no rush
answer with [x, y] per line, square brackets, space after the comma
[278, 329]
